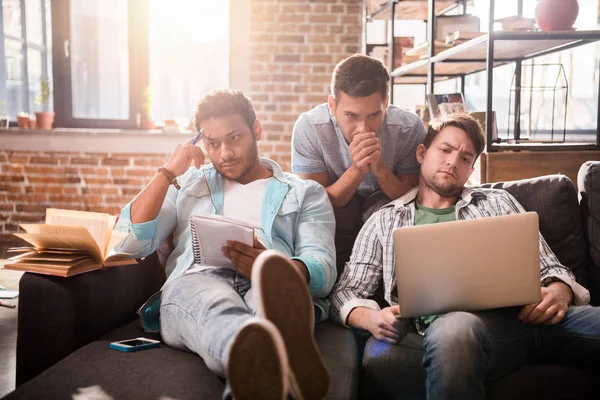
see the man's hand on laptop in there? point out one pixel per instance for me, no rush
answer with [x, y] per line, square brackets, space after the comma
[556, 298]
[242, 256]
[385, 326]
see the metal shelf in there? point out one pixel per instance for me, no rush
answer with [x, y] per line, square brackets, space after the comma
[471, 56]
[483, 53]
[405, 9]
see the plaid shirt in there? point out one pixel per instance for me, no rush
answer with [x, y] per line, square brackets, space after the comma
[372, 259]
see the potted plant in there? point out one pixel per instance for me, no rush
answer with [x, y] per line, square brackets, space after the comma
[45, 118]
[147, 121]
[23, 120]
[4, 116]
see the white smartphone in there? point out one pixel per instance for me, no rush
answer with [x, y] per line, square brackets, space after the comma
[136, 344]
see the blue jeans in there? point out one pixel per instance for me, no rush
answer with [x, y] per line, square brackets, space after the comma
[202, 312]
[463, 350]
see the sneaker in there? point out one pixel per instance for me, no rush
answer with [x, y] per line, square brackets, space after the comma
[283, 298]
[257, 366]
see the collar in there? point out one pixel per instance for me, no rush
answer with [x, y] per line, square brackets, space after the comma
[409, 197]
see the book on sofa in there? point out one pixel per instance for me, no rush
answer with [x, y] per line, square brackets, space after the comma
[69, 243]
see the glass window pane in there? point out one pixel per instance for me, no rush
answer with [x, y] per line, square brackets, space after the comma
[13, 58]
[99, 59]
[11, 15]
[33, 14]
[189, 54]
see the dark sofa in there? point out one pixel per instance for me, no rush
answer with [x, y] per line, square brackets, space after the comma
[65, 325]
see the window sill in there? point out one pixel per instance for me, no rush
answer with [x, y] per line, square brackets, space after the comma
[91, 140]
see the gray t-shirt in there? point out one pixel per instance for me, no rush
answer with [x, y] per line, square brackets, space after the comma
[318, 145]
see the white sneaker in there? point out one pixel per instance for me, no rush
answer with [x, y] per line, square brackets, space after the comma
[283, 298]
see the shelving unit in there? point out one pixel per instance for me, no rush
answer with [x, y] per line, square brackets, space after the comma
[483, 53]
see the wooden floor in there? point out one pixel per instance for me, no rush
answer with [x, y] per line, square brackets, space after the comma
[8, 332]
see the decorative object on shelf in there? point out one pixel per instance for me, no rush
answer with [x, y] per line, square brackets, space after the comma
[444, 104]
[459, 37]
[4, 116]
[544, 94]
[45, 118]
[556, 15]
[147, 121]
[401, 44]
[517, 23]
[480, 117]
[446, 24]
[422, 50]
[23, 120]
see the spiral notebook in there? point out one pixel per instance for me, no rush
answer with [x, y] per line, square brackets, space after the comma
[209, 235]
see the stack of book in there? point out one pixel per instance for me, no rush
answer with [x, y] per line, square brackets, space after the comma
[69, 243]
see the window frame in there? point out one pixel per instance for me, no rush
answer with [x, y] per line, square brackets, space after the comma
[137, 28]
[25, 46]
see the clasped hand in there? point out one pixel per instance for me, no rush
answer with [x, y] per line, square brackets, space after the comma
[365, 150]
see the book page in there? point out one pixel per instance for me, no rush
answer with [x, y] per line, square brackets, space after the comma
[95, 223]
[209, 235]
[61, 237]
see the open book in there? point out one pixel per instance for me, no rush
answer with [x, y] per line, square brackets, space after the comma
[69, 243]
[209, 235]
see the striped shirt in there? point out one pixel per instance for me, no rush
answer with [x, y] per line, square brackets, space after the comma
[372, 260]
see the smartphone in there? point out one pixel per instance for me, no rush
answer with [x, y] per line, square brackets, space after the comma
[136, 344]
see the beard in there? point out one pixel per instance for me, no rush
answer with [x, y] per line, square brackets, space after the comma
[442, 188]
[242, 167]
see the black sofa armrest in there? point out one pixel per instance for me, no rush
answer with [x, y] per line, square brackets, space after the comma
[59, 315]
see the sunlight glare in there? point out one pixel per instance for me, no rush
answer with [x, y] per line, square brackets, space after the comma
[193, 19]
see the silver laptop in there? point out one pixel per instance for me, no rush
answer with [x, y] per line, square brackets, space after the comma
[468, 265]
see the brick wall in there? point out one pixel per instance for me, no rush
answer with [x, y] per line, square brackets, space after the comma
[294, 45]
[33, 181]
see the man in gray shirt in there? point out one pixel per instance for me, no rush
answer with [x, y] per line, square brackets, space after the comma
[358, 146]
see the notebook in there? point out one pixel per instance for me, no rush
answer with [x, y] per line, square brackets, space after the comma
[209, 235]
[468, 265]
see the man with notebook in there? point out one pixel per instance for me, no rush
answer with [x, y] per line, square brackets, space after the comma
[209, 309]
[463, 349]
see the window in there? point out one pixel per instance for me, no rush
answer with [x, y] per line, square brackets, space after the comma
[111, 53]
[189, 54]
[26, 54]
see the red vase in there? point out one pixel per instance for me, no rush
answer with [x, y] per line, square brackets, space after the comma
[556, 15]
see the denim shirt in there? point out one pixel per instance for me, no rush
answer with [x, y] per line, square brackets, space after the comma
[296, 215]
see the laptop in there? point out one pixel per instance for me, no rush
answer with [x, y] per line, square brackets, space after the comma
[468, 265]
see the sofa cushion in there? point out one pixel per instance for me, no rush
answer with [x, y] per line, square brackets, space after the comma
[340, 351]
[150, 374]
[554, 198]
[169, 373]
[588, 181]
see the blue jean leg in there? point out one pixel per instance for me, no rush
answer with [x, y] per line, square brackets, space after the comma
[575, 341]
[463, 350]
[202, 312]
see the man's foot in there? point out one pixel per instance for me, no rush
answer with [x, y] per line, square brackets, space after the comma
[283, 298]
[257, 366]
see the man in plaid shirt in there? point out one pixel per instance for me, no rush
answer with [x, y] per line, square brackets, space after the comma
[463, 349]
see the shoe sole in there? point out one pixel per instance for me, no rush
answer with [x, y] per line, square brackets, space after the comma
[257, 366]
[283, 298]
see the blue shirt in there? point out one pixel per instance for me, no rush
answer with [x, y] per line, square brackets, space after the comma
[296, 215]
[318, 145]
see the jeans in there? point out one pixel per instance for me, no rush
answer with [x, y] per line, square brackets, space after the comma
[463, 350]
[203, 311]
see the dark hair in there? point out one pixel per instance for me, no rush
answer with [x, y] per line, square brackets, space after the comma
[220, 103]
[360, 76]
[459, 120]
